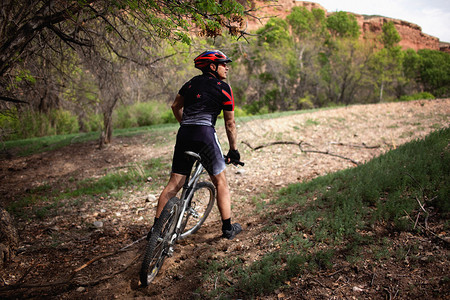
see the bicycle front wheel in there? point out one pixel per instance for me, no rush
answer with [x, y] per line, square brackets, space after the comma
[202, 203]
[161, 242]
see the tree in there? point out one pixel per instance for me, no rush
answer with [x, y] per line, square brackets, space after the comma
[435, 72]
[409, 82]
[343, 24]
[71, 21]
[8, 236]
[390, 36]
[54, 36]
[343, 71]
[387, 63]
[309, 33]
[45, 31]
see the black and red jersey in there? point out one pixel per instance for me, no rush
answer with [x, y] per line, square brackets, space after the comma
[205, 97]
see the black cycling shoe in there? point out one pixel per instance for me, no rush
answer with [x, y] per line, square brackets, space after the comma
[231, 234]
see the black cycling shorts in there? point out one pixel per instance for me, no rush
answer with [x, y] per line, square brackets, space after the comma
[202, 140]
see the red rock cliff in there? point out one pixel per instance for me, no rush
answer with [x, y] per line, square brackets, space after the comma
[411, 34]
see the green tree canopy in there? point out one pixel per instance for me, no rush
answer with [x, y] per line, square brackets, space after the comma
[435, 72]
[275, 32]
[75, 23]
[305, 23]
[390, 36]
[343, 24]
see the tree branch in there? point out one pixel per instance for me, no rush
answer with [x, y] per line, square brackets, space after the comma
[67, 39]
[299, 144]
[70, 279]
[8, 99]
[363, 145]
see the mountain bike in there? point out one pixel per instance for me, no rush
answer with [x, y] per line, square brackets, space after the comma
[179, 218]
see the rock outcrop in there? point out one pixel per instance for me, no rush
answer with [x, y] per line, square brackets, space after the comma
[444, 47]
[411, 34]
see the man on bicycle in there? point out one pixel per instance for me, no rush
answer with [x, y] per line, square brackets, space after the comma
[196, 108]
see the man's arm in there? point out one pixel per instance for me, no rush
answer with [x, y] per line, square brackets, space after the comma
[230, 127]
[177, 107]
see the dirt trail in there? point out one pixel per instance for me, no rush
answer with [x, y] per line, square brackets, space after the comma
[52, 247]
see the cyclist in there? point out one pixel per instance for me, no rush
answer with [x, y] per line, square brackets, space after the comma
[196, 107]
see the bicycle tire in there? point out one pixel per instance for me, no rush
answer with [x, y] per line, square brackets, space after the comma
[157, 248]
[202, 203]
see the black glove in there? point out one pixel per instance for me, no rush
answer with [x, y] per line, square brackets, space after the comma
[233, 155]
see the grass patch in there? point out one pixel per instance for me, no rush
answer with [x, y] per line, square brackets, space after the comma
[44, 201]
[42, 144]
[311, 122]
[334, 214]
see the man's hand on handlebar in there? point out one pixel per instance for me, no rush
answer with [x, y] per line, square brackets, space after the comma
[233, 157]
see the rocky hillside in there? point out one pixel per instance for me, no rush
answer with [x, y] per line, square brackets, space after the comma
[411, 34]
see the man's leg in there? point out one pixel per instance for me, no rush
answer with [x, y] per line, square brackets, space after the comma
[224, 203]
[223, 195]
[175, 183]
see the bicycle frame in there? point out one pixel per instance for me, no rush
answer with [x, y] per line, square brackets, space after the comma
[173, 220]
[188, 190]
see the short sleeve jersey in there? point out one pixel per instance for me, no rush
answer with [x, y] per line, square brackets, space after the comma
[204, 98]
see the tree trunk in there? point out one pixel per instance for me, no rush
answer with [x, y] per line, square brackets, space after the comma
[106, 135]
[8, 237]
[381, 91]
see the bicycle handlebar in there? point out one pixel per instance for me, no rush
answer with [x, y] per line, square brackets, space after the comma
[232, 161]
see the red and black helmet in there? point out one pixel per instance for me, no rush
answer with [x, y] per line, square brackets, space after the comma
[211, 56]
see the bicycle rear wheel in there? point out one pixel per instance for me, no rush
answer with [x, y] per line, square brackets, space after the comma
[201, 205]
[161, 241]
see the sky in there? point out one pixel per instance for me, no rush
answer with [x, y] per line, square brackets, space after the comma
[433, 16]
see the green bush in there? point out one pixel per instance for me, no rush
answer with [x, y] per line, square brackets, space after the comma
[93, 122]
[417, 96]
[256, 108]
[142, 114]
[64, 122]
[168, 117]
[28, 124]
[305, 103]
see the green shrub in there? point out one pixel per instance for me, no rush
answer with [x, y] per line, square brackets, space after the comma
[28, 124]
[256, 108]
[93, 122]
[417, 96]
[64, 122]
[305, 103]
[142, 114]
[168, 117]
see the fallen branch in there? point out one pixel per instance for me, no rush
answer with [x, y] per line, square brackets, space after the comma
[363, 145]
[445, 240]
[299, 144]
[327, 153]
[269, 144]
[425, 211]
[69, 280]
[108, 255]
[422, 206]
[104, 278]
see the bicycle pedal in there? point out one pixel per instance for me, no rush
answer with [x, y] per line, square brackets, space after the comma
[193, 213]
